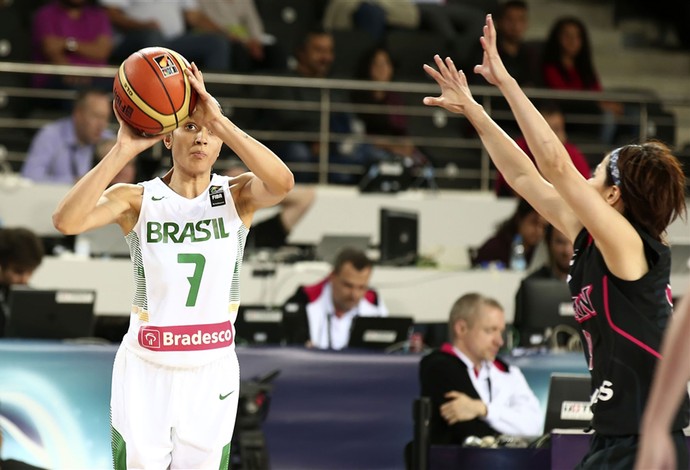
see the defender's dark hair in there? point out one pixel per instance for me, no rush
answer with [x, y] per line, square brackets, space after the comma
[652, 186]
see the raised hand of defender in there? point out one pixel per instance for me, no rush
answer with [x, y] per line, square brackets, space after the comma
[491, 68]
[207, 107]
[455, 94]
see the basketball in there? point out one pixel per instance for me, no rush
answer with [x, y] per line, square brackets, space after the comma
[152, 92]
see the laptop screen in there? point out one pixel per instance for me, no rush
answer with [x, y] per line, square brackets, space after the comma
[50, 314]
[379, 332]
[568, 402]
[259, 324]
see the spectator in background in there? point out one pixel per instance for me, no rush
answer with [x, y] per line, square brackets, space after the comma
[512, 21]
[272, 233]
[373, 16]
[314, 60]
[241, 21]
[525, 224]
[554, 117]
[560, 252]
[472, 392]
[567, 64]
[73, 32]
[63, 151]
[320, 315]
[21, 252]
[377, 65]
[176, 24]
[457, 22]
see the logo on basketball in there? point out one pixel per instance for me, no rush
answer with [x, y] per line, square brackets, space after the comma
[167, 66]
[152, 93]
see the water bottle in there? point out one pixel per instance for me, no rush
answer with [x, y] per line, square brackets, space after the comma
[517, 255]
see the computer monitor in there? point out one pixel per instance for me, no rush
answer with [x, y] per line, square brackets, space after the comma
[50, 313]
[259, 324]
[399, 237]
[568, 402]
[434, 334]
[541, 306]
[379, 332]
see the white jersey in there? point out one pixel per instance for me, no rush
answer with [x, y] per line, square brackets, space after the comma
[186, 256]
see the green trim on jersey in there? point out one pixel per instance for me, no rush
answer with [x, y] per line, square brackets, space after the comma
[119, 448]
[225, 458]
[235, 287]
[140, 299]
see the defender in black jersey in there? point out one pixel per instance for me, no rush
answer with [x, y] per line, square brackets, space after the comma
[621, 268]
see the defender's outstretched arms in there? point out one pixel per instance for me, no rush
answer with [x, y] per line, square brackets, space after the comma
[517, 168]
[571, 202]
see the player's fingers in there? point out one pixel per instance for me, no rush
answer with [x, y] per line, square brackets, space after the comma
[433, 73]
[440, 64]
[117, 115]
[432, 101]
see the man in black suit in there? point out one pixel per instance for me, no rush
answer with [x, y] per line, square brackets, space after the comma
[472, 392]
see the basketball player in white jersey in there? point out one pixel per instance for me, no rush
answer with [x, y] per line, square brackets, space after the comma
[176, 377]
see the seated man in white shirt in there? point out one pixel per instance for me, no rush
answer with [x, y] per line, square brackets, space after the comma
[472, 392]
[320, 315]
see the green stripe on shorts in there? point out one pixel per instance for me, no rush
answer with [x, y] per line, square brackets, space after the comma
[119, 447]
[225, 458]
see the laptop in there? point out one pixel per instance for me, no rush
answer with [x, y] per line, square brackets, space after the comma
[259, 324]
[104, 241]
[568, 402]
[330, 245]
[379, 332]
[50, 313]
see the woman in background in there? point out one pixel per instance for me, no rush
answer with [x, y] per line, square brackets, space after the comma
[525, 225]
[567, 64]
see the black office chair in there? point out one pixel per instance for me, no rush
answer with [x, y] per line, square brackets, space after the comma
[417, 451]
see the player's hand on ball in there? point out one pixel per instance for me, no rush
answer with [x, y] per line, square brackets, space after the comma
[131, 139]
[207, 107]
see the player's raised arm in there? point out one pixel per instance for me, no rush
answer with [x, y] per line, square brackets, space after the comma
[511, 161]
[616, 237]
[88, 204]
[271, 179]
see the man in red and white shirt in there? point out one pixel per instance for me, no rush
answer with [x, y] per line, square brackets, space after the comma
[320, 315]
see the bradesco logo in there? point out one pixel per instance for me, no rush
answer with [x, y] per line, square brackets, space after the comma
[186, 337]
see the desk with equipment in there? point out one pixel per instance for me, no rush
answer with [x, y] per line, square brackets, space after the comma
[335, 410]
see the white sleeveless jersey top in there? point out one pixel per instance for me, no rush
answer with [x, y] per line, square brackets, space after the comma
[186, 258]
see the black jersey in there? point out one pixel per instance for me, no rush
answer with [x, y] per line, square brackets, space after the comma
[622, 325]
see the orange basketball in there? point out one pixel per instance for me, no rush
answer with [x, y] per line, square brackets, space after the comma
[152, 92]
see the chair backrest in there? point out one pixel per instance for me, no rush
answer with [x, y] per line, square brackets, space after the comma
[417, 452]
